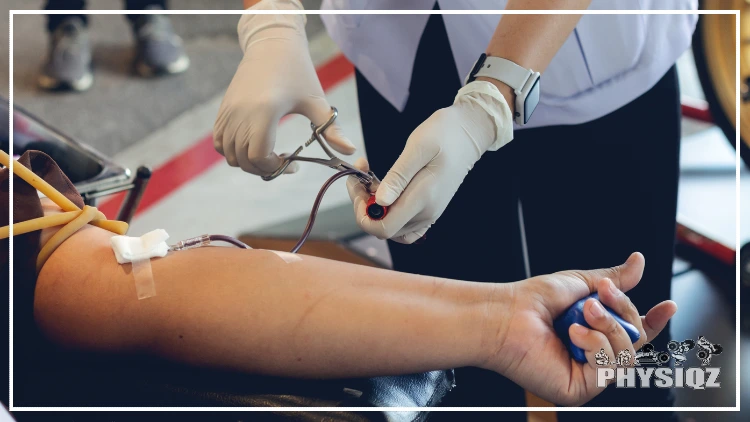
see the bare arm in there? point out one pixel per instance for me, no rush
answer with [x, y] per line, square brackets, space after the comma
[252, 311]
[532, 40]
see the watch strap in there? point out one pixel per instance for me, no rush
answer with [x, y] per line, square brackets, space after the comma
[504, 71]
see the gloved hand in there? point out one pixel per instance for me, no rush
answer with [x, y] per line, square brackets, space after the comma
[437, 157]
[276, 77]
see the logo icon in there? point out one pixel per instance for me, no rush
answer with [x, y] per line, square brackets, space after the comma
[647, 355]
[706, 349]
[602, 359]
[679, 350]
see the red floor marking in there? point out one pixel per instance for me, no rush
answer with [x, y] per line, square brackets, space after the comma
[698, 113]
[334, 71]
[201, 156]
[179, 170]
[706, 244]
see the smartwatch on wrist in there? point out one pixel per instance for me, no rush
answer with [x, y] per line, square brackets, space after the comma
[525, 83]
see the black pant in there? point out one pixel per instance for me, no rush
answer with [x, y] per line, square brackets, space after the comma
[591, 194]
[54, 20]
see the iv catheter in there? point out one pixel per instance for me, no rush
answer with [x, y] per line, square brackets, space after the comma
[368, 179]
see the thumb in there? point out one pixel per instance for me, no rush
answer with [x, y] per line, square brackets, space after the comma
[409, 163]
[319, 111]
[624, 276]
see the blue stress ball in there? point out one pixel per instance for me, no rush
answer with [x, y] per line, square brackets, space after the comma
[574, 314]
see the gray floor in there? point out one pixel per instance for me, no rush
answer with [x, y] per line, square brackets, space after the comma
[130, 112]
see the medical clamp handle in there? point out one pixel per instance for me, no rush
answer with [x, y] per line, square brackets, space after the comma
[574, 314]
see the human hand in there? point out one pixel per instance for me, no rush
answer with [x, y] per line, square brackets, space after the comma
[276, 77]
[437, 157]
[530, 353]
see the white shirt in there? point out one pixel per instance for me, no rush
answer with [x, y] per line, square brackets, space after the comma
[606, 62]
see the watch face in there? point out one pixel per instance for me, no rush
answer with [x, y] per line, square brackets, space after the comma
[532, 99]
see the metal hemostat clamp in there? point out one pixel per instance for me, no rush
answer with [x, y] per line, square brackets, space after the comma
[343, 169]
[369, 180]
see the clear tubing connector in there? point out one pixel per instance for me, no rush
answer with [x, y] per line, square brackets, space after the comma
[193, 242]
[206, 240]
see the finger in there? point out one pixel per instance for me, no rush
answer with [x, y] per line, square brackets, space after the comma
[254, 143]
[229, 153]
[261, 166]
[357, 191]
[359, 197]
[367, 224]
[220, 126]
[628, 274]
[228, 148]
[335, 137]
[413, 159]
[293, 167]
[620, 303]
[657, 318]
[317, 109]
[412, 237]
[592, 343]
[362, 164]
[218, 134]
[599, 319]
[625, 276]
[404, 215]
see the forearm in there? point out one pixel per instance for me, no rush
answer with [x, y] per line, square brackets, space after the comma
[252, 311]
[532, 40]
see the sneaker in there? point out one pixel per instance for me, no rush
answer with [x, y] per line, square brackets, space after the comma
[160, 50]
[68, 65]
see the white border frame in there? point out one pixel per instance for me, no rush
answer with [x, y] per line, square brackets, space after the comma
[736, 13]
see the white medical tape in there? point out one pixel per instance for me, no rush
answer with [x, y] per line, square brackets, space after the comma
[288, 257]
[130, 249]
[144, 278]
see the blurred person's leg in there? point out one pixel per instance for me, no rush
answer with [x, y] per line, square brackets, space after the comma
[53, 21]
[159, 49]
[68, 64]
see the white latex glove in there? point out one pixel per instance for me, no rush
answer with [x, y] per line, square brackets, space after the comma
[276, 77]
[437, 157]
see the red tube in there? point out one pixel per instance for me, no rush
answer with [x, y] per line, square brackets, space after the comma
[375, 211]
